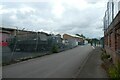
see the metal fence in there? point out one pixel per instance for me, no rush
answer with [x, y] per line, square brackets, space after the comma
[20, 47]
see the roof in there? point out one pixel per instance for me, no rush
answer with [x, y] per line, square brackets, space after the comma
[75, 36]
[12, 29]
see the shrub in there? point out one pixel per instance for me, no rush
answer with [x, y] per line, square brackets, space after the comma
[114, 71]
[104, 56]
[55, 49]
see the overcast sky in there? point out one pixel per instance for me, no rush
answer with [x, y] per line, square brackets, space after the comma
[59, 16]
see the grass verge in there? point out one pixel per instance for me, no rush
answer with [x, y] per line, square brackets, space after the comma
[113, 70]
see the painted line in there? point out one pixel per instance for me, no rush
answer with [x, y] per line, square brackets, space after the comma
[83, 62]
[93, 47]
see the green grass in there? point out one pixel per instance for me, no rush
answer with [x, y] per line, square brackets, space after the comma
[114, 71]
[104, 56]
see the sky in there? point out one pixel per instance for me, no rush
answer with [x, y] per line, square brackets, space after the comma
[55, 16]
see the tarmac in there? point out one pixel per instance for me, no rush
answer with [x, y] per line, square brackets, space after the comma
[92, 66]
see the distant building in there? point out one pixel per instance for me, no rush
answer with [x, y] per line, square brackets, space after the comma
[55, 40]
[65, 42]
[43, 36]
[85, 42]
[73, 40]
[25, 40]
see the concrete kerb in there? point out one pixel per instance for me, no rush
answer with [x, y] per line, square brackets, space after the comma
[82, 65]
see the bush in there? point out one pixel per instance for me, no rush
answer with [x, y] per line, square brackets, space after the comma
[114, 71]
[55, 49]
[104, 56]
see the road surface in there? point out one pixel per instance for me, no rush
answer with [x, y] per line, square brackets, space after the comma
[61, 65]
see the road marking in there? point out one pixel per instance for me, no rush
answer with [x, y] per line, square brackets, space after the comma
[93, 47]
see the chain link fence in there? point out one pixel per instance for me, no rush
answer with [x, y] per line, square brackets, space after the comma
[31, 45]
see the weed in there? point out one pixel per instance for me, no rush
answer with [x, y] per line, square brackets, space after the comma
[55, 49]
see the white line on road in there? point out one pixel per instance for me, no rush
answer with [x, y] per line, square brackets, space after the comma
[93, 47]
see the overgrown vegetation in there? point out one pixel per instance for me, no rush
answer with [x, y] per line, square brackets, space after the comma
[55, 49]
[105, 56]
[113, 70]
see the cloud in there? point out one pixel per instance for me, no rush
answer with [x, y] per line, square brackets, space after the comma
[61, 16]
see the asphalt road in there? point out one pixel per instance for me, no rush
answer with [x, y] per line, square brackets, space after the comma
[61, 65]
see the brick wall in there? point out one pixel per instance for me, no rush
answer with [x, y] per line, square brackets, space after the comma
[118, 39]
[112, 39]
[66, 36]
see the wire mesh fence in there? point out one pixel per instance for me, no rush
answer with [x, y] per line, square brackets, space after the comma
[32, 45]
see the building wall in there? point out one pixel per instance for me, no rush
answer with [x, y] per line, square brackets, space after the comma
[118, 39]
[43, 37]
[73, 41]
[66, 36]
[119, 6]
[113, 41]
[112, 38]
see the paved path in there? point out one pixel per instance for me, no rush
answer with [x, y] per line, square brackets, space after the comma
[61, 65]
[92, 68]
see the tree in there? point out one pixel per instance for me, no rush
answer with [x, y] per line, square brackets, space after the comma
[89, 40]
[95, 41]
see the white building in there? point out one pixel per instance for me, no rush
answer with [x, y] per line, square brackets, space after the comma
[85, 42]
[119, 6]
